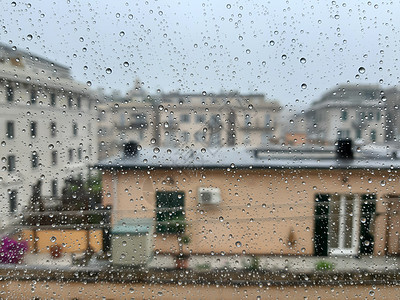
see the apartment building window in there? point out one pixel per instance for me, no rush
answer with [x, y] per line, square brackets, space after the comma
[79, 153]
[198, 136]
[10, 129]
[12, 199]
[185, 136]
[54, 188]
[343, 224]
[35, 160]
[170, 212]
[11, 163]
[185, 118]
[70, 154]
[247, 120]
[200, 118]
[10, 94]
[79, 102]
[267, 120]
[74, 129]
[53, 99]
[70, 102]
[53, 129]
[54, 158]
[33, 96]
[358, 133]
[33, 129]
[344, 115]
[373, 135]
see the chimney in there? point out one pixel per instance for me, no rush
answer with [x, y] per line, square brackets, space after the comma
[344, 149]
[130, 149]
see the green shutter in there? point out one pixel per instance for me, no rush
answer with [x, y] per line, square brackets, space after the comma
[368, 208]
[170, 212]
[321, 225]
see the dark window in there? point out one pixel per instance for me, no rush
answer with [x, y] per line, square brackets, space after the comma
[33, 129]
[53, 99]
[10, 129]
[74, 129]
[33, 96]
[54, 158]
[185, 118]
[368, 208]
[10, 94]
[35, 160]
[53, 129]
[54, 188]
[79, 102]
[13, 201]
[79, 153]
[344, 115]
[373, 135]
[321, 225]
[11, 163]
[70, 154]
[170, 214]
[200, 118]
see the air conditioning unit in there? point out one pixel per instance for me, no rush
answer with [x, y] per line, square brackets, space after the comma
[209, 196]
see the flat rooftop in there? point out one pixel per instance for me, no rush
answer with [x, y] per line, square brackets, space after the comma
[245, 158]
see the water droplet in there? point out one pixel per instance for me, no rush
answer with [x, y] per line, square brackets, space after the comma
[203, 150]
[156, 150]
[303, 60]
[29, 37]
[238, 244]
[126, 64]
[304, 86]
[121, 33]
[88, 83]
[13, 4]
[228, 6]
[284, 56]
[108, 71]
[361, 70]
[221, 218]
[51, 146]
[272, 43]
[53, 239]
[204, 93]
[248, 51]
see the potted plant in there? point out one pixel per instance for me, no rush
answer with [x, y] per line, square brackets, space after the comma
[55, 251]
[182, 259]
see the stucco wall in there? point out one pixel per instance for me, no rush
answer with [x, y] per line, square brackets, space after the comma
[259, 208]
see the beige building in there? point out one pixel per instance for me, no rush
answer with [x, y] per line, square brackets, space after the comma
[191, 120]
[47, 130]
[239, 201]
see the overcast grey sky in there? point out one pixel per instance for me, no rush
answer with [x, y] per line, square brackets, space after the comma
[213, 46]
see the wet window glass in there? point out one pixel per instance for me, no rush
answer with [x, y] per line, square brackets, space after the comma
[201, 150]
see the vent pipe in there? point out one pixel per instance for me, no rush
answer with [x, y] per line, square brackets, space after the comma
[344, 149]
[131, 149]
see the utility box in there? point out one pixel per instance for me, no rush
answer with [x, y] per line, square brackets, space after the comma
[132, 242]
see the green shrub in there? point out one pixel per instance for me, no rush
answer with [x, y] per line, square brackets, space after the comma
[324, 266]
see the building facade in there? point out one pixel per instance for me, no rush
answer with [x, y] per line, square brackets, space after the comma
[259, 202]
[191, 120]
[47, 127]
[348, 111]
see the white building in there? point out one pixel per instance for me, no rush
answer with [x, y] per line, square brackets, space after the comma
[348, 111]
[47, 132]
